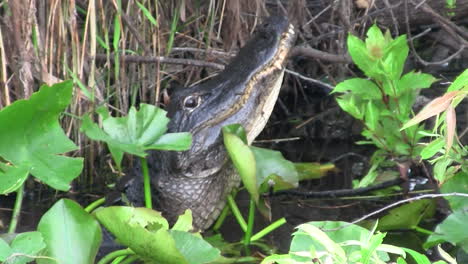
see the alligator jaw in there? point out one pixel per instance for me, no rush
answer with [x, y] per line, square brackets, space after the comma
[245, 92]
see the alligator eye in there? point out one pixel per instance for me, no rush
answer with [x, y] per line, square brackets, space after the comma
[191, 102]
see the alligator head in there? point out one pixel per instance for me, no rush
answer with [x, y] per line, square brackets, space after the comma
[244, 93]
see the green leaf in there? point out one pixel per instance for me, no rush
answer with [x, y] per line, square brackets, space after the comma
[172, 141]
[194, 248]
[440, 169]
[147, 14]
[432, 148]
[414, 80]
[407, 216]
[244, 161]
[139, 131]
[372, 115]
[237, 130]
[350, 104]
[458, 183]
[5, 250]
[418, 257]
[24, 245]
[184, 222]
[395, 56]
[31, 137]
[460, 83]
[364, 88]
[270, 162]
[312, 170]
[321, 240]
[12, 177]
[375, 42]
[143, 230]
[359, 53]
[452, 229]
[70, 233]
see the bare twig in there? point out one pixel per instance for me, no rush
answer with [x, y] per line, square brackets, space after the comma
[442, 24]
[424, 196]
[321, 55]
[315, 81]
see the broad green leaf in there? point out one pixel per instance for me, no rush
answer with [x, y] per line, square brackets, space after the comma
[407, 216]
[244, 161]
[418, 257]
[31, 137]
[432, 148]
[172, 141]
[12, 177]
[458, 183]
[143, 230]
[184, 222]
[194, 249]
[460, 83]
[5, 250]
[452, 229]
[24, 245]
[137, 132]
[270, 162]
[70, 233]
[414, 80]
[364, 88]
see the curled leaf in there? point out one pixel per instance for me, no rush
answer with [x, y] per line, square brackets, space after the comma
[451, 119]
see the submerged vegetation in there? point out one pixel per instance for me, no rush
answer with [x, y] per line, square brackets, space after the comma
[119, 60]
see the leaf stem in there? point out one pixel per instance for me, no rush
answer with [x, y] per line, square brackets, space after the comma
[146, 183]
[109, 257]
[237, 214]
[273, 226]
[16, 210]
[95, 204]
[219, 222]
[250, 223]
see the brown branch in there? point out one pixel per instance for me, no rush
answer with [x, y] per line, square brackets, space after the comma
[443, 25]
[160, 59]
[320, 55]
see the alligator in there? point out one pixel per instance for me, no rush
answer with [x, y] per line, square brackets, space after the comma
[244, 93]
